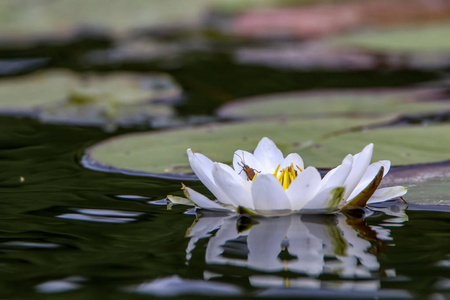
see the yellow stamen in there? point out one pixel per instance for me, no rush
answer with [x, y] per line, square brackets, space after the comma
[287, 175]
[276, 171]
[286, 181]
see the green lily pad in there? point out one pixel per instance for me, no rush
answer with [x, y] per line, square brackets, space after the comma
[342, 102]
[99, 100]
[165, 152]
[423, 38]
[430, 192]
[22, 17]
[401, 145]
[427, 183]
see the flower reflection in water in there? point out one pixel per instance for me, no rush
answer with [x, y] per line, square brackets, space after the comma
[314, 251]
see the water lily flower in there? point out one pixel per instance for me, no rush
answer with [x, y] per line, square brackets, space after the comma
[267, 183]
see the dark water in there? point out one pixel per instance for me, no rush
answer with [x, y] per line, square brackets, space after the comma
[67, 232]
[71, 233]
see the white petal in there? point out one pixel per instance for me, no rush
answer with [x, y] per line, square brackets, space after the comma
[268, 194]
[386, 164]
[325, 200]
[337, 176]
[387, 193]
[202, 201]
[268, 155]
[202, 167]
[242, 158]
[304, 187]
[232, 185]
[292, 158]
[360, 163]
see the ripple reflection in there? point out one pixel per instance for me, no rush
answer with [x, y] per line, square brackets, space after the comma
[101, 215]
[336, 252]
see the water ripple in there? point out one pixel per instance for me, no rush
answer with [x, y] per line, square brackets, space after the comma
[101, 216]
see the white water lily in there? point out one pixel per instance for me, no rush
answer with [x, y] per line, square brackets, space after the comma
[268, 183]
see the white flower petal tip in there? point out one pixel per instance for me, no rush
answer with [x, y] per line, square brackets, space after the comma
[265, 183]
[389, 193]
[200, 200]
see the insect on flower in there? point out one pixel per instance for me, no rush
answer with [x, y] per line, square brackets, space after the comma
[249, 171]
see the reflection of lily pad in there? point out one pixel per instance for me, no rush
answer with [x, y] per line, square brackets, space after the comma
[369, 102]
[64, 97]
[165, 152]
[426, 38]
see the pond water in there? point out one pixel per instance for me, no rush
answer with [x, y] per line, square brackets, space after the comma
[70, 232]
[66, 231]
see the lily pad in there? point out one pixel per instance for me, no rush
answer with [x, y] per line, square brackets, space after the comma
[341, 102]
[165, 152]
[423, 38]
[430, 192]
[427, 183]
[99, 100]
[24, 17]
[321, 56]
[401, 145]
[319, 19]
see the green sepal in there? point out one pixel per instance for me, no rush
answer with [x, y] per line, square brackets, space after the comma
[360, 201]
[246, 211]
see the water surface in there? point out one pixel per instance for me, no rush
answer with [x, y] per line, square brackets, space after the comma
[66, 231]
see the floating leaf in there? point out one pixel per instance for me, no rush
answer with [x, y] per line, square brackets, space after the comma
[318, 20]
[423, 38]
[165, 152]
[430, 192]
[427, 183]
[342, 102]
[108, 100]
[401, 145]
[323, 56]
[23, 17]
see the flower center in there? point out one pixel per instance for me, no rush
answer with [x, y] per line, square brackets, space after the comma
[287, 175]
